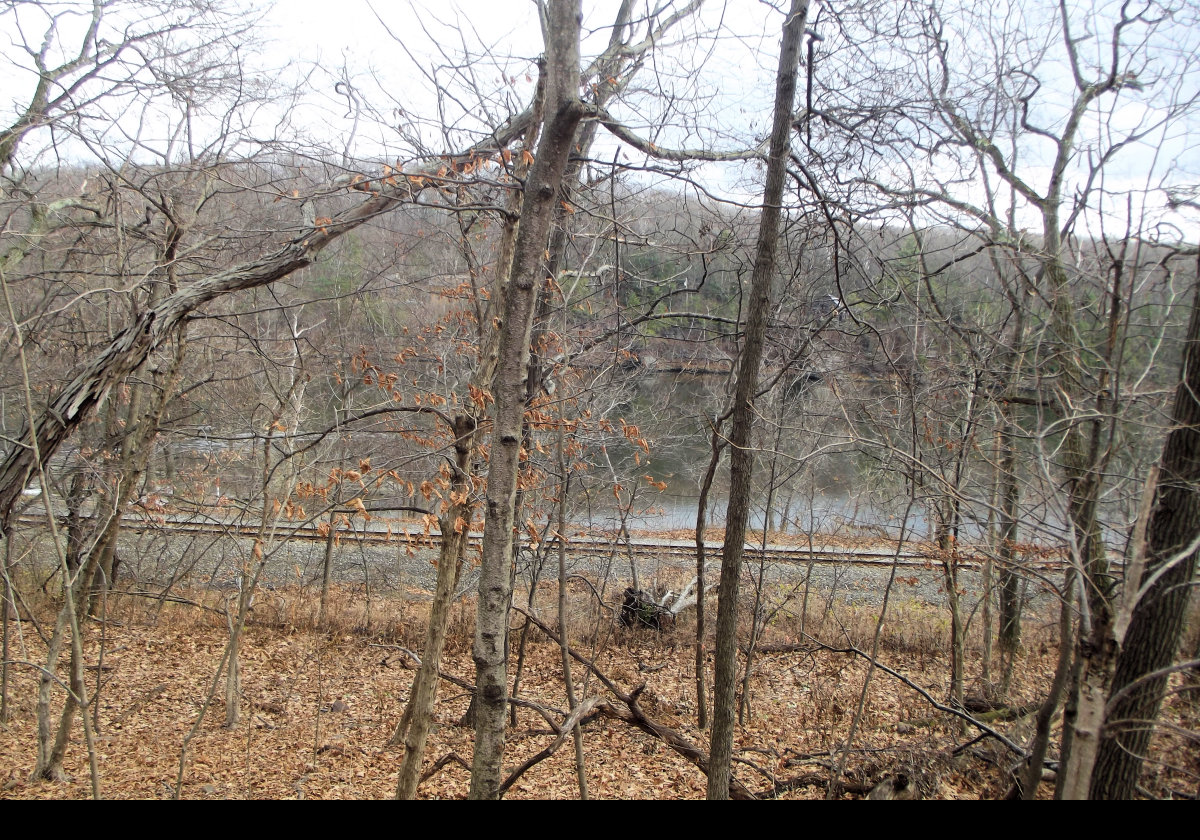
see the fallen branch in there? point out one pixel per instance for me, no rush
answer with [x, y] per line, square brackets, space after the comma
[785, 647]
[450, 757]
[170, 599]
[635, 716]
[547, 713]
[811, 780]
[941, 707]
[578, 713]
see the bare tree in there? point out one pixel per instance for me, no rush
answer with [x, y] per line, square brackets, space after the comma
[1131, 658]
[993, 147]
[563, 111]
[742, 419]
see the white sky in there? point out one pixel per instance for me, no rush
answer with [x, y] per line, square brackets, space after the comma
[308, 46]
[507, 32]
[735, 73]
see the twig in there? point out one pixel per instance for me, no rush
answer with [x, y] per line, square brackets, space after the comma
[173, 599]
[138, 705]
[595, 592]
[548, 713]
[187, 739]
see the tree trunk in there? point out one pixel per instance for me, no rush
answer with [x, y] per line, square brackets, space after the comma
[700, 654]
[455, 528]
[957, 660]
[327, 559]
[562, 115]
[46, 768]
[1152, 638]
[1009, 634]
[415, 723]
[8, 612]
[1029, 775]
[233, 674]
[741, 465]
[564, 619]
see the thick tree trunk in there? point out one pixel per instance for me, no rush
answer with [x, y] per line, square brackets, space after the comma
[741, 465]
[563, 113]
[1152, 639]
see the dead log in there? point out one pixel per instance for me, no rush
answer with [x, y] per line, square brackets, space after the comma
[895, 787]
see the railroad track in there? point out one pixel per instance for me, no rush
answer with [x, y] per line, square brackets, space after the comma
[640, 549]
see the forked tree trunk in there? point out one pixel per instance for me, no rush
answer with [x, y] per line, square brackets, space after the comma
[418, 713]
[563, 112]
[415, 723]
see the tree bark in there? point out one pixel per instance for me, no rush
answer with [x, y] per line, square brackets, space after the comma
[455, 528]
[1010, 582]
[741, 464]
[563, 113]
[1152, 637]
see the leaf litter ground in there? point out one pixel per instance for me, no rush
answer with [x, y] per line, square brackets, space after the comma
[319, 709]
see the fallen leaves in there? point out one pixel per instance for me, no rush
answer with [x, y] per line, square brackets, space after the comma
[319, 709]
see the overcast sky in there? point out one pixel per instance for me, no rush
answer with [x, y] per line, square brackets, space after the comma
[710, 84]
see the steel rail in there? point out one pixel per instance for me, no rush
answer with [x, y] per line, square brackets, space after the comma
[589, 546]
